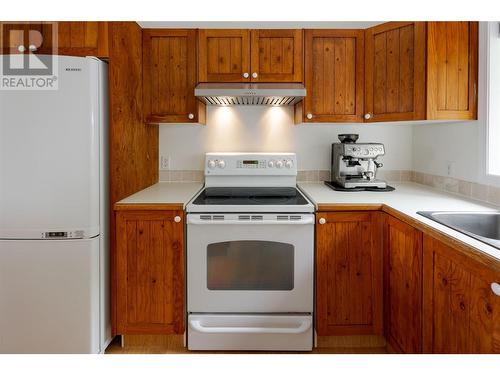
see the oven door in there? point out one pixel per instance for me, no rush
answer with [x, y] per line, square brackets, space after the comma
[244, 263]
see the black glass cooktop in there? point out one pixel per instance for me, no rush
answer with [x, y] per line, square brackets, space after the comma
[250, 196]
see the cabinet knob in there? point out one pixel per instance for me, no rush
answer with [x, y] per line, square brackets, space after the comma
[254, 75]
[177, 219]
[21, 48]
[32, 47]
[190, 116]
[309, 116]
[246, 75]
[322, 220]
[495, 288]
[368, 116]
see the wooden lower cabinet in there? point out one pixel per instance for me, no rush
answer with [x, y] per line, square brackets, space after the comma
[403, 286]
[149, 272]
[461, 312]
[348, 273]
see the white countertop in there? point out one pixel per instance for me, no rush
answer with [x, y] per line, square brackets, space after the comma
[408, 198]
[165, 193]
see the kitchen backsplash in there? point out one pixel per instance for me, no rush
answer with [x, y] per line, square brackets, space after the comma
[485, 193]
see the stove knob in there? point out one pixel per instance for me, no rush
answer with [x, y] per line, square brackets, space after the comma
[289, 164]
[211, 164]
[270, 163]
[221, 164]
[279, 164]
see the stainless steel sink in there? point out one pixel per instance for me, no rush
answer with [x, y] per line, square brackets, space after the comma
[483, 226]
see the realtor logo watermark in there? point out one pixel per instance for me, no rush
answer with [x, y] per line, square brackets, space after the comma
[28, 56]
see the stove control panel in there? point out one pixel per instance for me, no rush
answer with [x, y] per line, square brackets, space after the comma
[233, 163]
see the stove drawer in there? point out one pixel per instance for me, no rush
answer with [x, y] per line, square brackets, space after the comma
[250, 332]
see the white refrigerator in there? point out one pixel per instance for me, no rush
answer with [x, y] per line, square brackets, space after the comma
[54, 252]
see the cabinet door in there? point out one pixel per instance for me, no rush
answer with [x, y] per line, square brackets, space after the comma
[149, 272]
[169, 76]
[403, 286]
[395, 72]
[224, 55]
[277, 55]
[73, 38]
[21, 37]
[333, 76]
[83, 38]
[452, 53]
[348, 273]
[462, 314]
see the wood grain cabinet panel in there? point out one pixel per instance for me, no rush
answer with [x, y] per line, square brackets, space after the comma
[462, 314]
[333, 76]
[150, 272]
[224, 55]
[452, 70]
[17, 37]
[169, 76]
[403, 286]
[85, 38]
[395, 72]
[276, 55]
[348, 273]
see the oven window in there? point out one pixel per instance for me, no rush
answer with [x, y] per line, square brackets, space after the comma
[250, 265]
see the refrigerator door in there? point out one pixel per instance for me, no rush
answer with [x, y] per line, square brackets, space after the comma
[49, 155]
[49, 296]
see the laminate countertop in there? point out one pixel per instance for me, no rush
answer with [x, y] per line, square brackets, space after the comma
[407, 199]
[164, 193]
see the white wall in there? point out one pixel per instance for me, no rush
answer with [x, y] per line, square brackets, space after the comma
[271, 129]
[436, 145]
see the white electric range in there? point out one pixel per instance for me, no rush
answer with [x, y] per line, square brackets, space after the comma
[250, 256]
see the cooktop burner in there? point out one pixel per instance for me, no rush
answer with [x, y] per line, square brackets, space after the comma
[250, 196]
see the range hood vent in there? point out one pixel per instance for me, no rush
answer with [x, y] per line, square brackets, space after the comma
[268, 94]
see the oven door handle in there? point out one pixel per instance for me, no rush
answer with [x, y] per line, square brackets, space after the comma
[302, 221]
[197, 326]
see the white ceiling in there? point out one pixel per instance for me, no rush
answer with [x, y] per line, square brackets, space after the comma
[259, 24]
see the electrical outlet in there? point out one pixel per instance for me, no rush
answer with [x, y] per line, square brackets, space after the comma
[450, 168]
[164, 163]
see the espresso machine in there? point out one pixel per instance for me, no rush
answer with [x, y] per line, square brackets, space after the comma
[354, 165]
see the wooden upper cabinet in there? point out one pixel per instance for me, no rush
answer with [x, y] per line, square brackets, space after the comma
[149, 272]
[452, 70]
[462, 314]
[348, 273]
[19, 37]
[83, 38]
[86, 38]
[250, 55]
[224, 55]
[403, 286]
[277, 55]
[395, 72]
[169, 76]
[333, 76]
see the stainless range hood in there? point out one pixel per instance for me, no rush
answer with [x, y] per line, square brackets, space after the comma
[270, 94]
